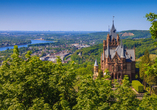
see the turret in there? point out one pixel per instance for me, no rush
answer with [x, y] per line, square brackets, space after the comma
[95, 75]
[113, 31]
[108, 39]
[118, 39]
[122, 52]
[104, 44]
[108, 51]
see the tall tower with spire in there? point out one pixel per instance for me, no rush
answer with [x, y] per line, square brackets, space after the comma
[117, 59]
[112, 38]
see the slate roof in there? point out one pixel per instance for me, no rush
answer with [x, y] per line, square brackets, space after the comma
[128, 54]
[113, 32]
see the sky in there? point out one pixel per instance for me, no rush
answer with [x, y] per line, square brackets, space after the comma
[75, 15]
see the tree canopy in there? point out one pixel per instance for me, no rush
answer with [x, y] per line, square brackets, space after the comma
[152, 17]
[34, 84]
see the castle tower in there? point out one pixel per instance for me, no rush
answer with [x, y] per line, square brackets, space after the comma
[119, 60]
[112, 38]
[95, 75]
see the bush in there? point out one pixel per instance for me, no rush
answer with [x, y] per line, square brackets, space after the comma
[137, 86]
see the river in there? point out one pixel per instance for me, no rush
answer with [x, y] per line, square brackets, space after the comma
[25, 45]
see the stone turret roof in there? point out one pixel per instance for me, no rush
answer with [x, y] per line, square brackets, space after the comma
[108, 51]
[96, 63]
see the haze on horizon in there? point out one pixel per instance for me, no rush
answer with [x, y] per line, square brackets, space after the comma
[75, 15]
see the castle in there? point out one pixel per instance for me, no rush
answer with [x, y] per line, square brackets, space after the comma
[118, 60]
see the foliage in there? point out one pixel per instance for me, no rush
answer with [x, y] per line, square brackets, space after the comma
[151, 71]
[137, 86]
[148, 102]
[100, 74]
[89, 54]
[144, 65]
[153, 29]
[107, 75]
[35, 84]
[125, 98]
[93, 94]
[140, 45]
[145, 61]
[12, 40]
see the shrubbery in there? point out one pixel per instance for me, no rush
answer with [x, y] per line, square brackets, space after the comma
[137, 86]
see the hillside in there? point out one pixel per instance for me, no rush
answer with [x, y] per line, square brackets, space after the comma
[94, 52]
[127, 34]
[152, 57]
[135, 34]
[131, 34]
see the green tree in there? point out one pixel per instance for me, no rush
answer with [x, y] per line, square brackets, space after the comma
[100, 74]
[125, 98]
[107, 75]
[152, 17]
[148, 103]
[36, 84]
[145, 61]
[93, 94]
[150, 70]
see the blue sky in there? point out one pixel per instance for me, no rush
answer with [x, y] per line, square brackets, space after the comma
[75, 15]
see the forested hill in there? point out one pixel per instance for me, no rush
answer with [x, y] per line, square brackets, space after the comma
[135, 34]
[131, 34]
[94, 52]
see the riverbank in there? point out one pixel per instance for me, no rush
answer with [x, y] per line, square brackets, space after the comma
[25, 45]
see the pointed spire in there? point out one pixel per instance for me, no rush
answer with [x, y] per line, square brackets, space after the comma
[113, 30]
[108, 51]
[109, 28]
[113, 20]
[96, 64]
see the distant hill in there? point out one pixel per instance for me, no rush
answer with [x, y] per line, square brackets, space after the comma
[98, 37]
[127, 34]
[132, 34]
[135, 34]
